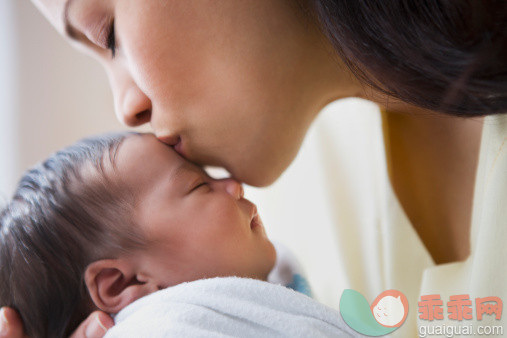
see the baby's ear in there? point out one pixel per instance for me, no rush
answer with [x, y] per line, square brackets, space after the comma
[114, 284]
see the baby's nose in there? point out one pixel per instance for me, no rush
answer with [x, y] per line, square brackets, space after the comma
[234, 188]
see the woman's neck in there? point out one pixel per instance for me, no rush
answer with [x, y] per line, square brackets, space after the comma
[432, 160]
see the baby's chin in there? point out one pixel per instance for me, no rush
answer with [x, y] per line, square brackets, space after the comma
[270, 259]
[264, 264]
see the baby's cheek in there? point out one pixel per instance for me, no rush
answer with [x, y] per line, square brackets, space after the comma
[228, 215]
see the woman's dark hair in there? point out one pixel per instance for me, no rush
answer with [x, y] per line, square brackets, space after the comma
[444, 55]
[66, 213]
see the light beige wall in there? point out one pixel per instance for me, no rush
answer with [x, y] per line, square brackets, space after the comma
[51, 94]
[8, 58]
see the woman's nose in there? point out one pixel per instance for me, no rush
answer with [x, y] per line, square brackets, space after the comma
[234, 188]
[133, 107]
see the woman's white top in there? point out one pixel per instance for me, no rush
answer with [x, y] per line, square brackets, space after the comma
[336, 209]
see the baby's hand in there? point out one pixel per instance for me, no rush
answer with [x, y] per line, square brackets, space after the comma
[95, 326]
[10, 324]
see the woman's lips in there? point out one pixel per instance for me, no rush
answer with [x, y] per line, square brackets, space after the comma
[169, 140]
[175, 142]
[178, 147]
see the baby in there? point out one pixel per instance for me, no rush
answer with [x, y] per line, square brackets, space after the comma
[112, 219]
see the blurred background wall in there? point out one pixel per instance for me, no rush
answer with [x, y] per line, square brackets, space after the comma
[50, 95]
[8, 64]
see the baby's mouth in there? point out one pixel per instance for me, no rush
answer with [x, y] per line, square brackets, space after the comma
[256, 222]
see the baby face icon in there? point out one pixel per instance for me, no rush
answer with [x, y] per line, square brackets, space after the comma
[385, 315]
[390, 308]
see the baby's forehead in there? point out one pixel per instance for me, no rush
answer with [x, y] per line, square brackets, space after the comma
[142, 158]
[145, 149]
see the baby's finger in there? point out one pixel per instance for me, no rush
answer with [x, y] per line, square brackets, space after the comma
[10, 324]
[95, 326]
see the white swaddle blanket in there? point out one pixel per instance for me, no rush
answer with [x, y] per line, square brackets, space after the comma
[230, 306]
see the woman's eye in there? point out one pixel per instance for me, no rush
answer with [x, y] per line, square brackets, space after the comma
[111, 39]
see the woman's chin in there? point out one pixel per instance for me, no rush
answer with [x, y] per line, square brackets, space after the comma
[256, 178]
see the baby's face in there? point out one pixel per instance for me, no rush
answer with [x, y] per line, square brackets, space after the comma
[196, 227]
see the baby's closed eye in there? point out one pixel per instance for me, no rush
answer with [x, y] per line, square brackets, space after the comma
[200, 185]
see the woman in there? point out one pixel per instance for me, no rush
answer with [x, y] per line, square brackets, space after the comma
[237, 84]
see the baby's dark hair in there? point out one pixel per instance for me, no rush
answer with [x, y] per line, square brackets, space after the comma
[67, 212]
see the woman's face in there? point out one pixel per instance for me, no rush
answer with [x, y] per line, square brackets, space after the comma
[229, 83]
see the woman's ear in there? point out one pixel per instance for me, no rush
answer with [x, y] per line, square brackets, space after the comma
[114, 284]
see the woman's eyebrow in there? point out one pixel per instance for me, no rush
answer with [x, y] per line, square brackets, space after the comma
[68, 28]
